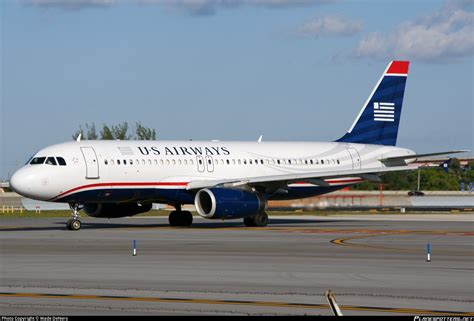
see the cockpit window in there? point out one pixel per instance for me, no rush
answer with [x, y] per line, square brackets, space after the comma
[61, 161]
[37, 160]
[51, 161]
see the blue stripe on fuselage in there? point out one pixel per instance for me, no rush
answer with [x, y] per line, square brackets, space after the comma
[178, 196]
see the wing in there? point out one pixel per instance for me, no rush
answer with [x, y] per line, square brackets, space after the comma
[274, 182]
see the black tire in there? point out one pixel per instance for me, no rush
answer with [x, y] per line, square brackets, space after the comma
[68, 224]
[261, 219]
[75, 225]
[173, 218]
[186, 218]
[249, 221]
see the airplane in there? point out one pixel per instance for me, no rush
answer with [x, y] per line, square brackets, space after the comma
[224, 180]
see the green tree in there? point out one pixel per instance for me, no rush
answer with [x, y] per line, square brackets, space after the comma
[113, 132]
[90, 133]
[120, 131]
[144, 133]
[106, 133]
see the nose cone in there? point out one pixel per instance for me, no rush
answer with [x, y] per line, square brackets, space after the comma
[20, 183]
[32, 182]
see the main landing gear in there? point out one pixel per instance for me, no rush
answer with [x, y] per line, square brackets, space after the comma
[74, 224]
[259, 220]
[180, 218]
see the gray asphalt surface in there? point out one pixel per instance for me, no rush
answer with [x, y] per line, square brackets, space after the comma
[372, 266]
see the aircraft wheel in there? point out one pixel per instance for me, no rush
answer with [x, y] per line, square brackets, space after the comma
[173, 218]
[75, 225]
[249, 221]
[68, 224]
[186, 218]
[261, 219]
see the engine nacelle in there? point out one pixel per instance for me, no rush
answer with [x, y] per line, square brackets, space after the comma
[228, 203]
[113, 210]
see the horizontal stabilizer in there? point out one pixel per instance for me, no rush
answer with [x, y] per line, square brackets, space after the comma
[417, 156]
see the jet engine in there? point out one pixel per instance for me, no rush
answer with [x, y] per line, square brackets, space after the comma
[216, 203]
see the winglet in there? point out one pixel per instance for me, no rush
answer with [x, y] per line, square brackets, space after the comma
[78, 139]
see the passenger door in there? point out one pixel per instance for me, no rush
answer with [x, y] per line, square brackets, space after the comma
[92, 165]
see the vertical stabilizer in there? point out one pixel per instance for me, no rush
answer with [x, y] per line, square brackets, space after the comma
[377, 122]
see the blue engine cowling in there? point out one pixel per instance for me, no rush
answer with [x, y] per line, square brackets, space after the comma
[228, 203]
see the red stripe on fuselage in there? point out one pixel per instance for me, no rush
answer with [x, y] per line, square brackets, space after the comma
[167, 184]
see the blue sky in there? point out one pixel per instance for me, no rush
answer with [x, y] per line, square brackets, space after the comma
[230, 69]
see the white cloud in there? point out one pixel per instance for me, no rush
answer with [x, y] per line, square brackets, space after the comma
[197, 7]
[70, 4]
[445, 34]
[329, 26]
[202, 7]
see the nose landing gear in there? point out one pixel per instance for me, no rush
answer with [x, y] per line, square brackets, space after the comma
[74, 224]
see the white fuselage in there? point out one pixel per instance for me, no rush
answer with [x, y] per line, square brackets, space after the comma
[135, 167]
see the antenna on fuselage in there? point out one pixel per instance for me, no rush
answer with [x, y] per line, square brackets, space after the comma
[78, 139]
[260, 138]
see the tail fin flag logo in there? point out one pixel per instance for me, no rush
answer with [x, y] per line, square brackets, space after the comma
[378, 120]
[384, 111]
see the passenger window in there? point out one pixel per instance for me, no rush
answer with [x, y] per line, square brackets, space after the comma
[322, 161]
[61, 161]
[278, 162]
[105, 162]
[311, 161]
[228, 162]
[338, 162]
[111, 162]
[124, 162]
[250, 161]
[131, 162]
[37, 160]
[51, 161]
[118, 161]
